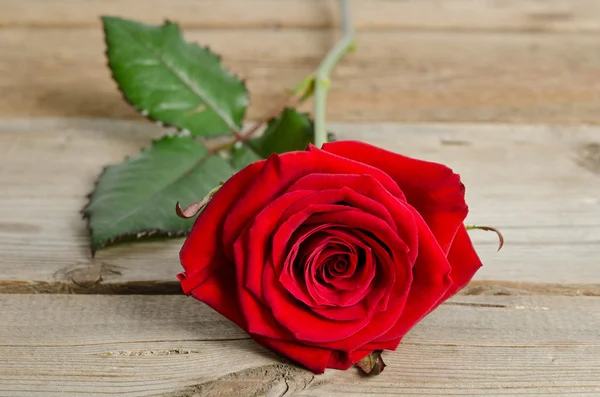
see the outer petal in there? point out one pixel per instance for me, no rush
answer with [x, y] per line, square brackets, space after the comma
[464, 261]
[208, 275]
[433, 189]
[203, 245]
[257, 316]
[388, 345]
[313, 358]
[344, 360]
[219, 291]
[431, 280]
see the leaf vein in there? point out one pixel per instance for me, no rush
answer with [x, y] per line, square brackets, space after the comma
[184, 79]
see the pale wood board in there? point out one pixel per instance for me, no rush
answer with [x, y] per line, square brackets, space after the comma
[538, 185]
[74, 345]
[528, 15]
[400, 76]
[509, 62]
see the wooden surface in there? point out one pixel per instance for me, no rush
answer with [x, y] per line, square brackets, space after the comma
[522, 15]
[505, 92]
[418, 61]
[538, 185]
[173, 346]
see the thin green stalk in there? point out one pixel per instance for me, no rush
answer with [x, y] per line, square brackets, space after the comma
[322, 73]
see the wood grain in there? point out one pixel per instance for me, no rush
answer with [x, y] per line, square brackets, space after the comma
[174, 346]
[528, 15]
[419, 61]
[399, 76]
[538, 185]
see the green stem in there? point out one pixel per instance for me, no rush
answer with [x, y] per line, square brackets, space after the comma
[322, 81]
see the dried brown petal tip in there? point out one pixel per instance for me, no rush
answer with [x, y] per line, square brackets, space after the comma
[193, 209]
[490, 229]
[372, 364]
[190, 211]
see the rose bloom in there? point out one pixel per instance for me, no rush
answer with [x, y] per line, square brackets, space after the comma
[326, 255]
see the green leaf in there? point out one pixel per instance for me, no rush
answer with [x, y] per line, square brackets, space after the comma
[173, 81]
[242, 155]
[137, 197]
[285, 133]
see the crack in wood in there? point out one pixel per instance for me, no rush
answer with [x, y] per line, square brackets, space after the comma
[473, 304]
[498, 306]
[277, 380]
[141, 353]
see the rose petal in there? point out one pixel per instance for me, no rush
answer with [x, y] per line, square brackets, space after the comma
[218, 291]
[257, 316]
[279, 172]
[387, 345]
[369, 296]
[388, 245]
[347, 336]
[299, 211]
[336, 297]
[264, 223]
[294, 279]
[206, 228]
[388, 270]
[352, 277]
[207, 275]
[339, 360]
[433, 189]
[329, 294]
[284, 234]
[256, 240]
[340, 266]
[431, 280]
[345, 217]
[369, 187]
[302, 323]
[313, 358]
[464, 262]
[299, 290]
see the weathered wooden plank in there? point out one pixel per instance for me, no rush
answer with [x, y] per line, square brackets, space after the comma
[530, 15]
[539, 185]
[174, 346]
[400, 76]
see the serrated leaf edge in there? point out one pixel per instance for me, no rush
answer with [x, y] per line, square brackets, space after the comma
[143, 112]
[136, 234]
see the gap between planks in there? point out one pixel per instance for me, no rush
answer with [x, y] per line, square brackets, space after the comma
[98, 287]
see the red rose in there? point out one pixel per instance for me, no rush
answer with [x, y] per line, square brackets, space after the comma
[325, 255]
